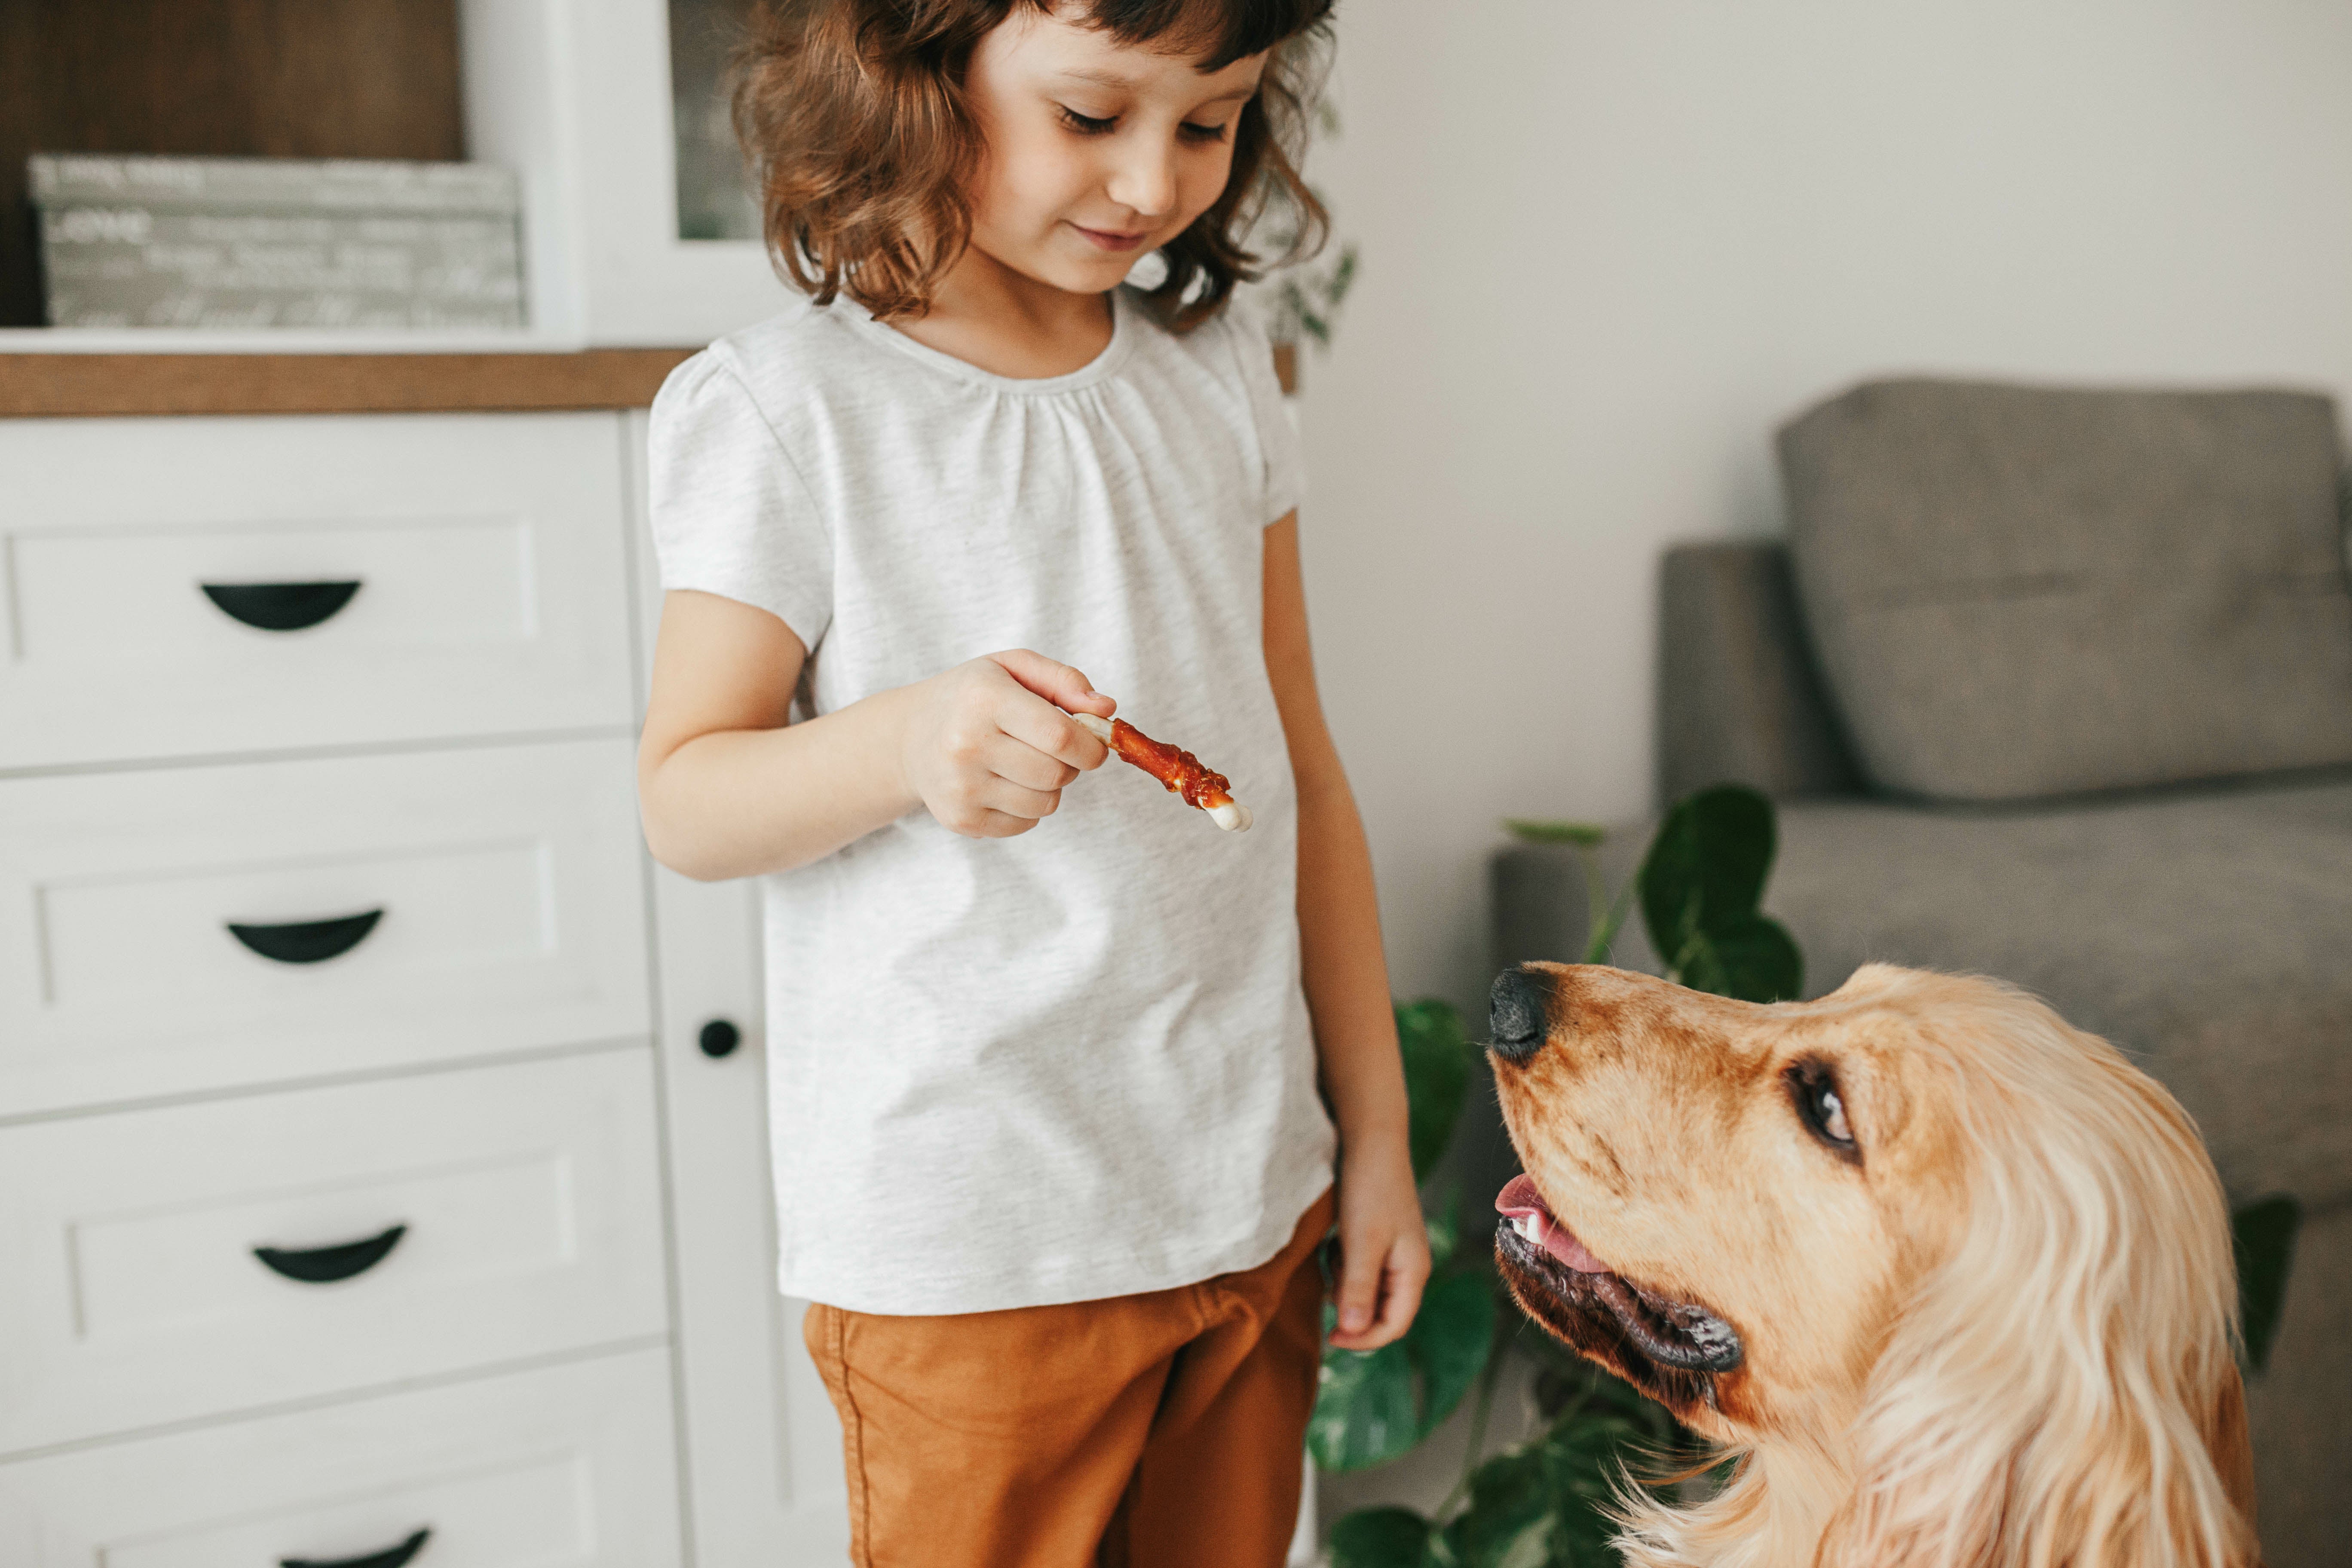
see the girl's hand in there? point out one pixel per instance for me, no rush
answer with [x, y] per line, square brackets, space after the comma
[987, 747]
[1383, 1247]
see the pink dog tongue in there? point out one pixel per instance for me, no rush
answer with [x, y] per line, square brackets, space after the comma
[1518, 1202]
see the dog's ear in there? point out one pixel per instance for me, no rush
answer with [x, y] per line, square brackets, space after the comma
[2063, 1388]
[2232, 1446]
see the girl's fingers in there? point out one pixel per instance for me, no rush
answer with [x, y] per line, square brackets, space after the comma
[1051, 731]
[1399, 1296]
[1377, 1300]
[1002, 795]
[1057, 683]
[1358, 1295]
[1014, 759]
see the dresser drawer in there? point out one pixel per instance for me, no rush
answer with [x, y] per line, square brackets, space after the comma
[179, 587]
[568, 1466]
[196, 1260]
[197, 927]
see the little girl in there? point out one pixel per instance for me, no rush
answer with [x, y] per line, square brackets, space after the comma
[1066, 1086]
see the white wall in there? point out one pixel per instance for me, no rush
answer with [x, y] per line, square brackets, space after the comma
[1609, 246]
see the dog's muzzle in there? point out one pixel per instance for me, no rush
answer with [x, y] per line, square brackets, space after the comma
[1517, 1014]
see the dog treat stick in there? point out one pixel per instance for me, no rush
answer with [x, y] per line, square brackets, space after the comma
[1181, 770]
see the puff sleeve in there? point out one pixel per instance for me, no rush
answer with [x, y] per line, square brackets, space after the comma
[730, 512]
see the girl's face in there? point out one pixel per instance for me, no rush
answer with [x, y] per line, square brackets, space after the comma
[1096, 152]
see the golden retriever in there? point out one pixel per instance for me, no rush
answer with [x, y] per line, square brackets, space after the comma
[1949, 1278]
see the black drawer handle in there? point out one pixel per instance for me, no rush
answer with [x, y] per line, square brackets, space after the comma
[325, 1265]
[306, 941]
[719, 1038]
[279, 606]
[398, 1556]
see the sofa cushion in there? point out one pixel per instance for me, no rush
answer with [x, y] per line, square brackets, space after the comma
[2023, 592]
[2203, 932]
[1740, 696]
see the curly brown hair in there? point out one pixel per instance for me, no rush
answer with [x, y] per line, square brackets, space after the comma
[852, 118]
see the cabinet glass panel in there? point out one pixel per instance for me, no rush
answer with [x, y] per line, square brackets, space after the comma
[714, 197]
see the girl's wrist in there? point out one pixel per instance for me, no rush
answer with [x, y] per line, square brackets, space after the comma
[891, 713]
[1381, 1143]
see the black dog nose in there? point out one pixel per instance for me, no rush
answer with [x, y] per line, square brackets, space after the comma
[1515, 1015]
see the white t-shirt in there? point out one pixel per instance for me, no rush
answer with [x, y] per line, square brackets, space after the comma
[1075, 1063]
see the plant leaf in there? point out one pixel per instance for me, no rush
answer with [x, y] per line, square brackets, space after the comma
[1450, 1340]
[1707, 864]
[1371, 1407]
[1582, 1458]
[1528, 830]
[1700, 885]
[1436, 1077]
[1508, 1523]
[2262, 1235]
[1442, 1216]
[1604, 935]
[1379, 1538]
[1365, 1413]
[1752, 958]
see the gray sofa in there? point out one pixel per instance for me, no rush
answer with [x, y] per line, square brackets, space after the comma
[1996, 745]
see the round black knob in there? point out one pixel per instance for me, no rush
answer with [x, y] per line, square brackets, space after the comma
[719, 1037]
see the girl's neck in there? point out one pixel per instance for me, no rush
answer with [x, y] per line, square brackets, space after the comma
[1010, 325]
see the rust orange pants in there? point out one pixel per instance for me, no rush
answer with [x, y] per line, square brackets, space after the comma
[1153, 1431]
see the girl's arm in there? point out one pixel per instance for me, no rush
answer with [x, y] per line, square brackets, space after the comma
[1384, 1247]
[727, 790]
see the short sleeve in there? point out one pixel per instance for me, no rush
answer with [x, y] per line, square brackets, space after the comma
[1278, 428]
[730, 513]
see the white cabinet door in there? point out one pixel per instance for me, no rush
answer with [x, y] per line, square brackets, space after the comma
[563, 1466]
[764, 1481]
[763, 1448]
[574, 95]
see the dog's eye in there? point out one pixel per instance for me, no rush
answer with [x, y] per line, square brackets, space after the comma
[1815, 1090]
[1829, 1112]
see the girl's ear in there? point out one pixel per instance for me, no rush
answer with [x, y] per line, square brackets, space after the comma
[2063, 1390]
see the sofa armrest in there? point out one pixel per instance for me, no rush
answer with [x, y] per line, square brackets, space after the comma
[1739, 698]
[1538, 902]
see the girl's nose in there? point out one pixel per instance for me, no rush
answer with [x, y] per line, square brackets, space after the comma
[1143, 179]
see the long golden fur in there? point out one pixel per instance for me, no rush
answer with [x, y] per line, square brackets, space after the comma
[1995, 1331]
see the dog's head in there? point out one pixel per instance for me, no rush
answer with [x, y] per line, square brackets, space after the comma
[1970, 1260]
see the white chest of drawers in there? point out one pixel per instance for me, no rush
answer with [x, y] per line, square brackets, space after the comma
[367, 1193]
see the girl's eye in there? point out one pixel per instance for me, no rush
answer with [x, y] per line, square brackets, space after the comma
[1822, 1106]
[1086, 125]
[1207, 134]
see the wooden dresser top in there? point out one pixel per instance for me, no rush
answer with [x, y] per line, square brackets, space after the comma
[77, 385]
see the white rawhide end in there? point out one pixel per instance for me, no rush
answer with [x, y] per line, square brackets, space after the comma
[1232, 816]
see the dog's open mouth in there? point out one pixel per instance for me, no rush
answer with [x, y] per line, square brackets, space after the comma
[1683, 1335]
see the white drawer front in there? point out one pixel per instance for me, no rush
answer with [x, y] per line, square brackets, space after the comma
[568, 1466]
[165, 581]
[187, 1261]
[196, 928]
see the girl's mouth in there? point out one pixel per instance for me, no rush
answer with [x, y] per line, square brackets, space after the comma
[1112, 239]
